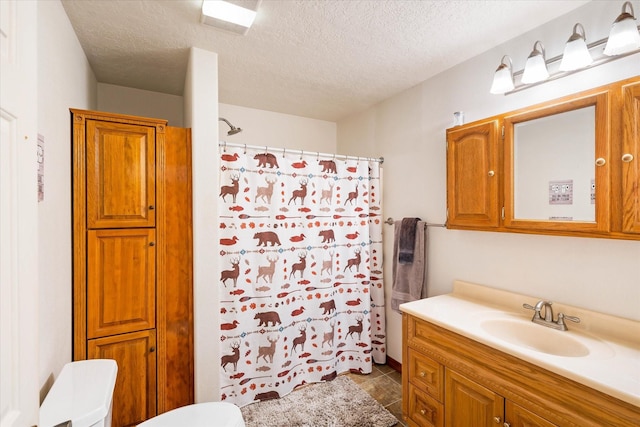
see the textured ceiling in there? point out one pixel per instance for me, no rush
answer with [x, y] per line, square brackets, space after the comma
[323, 59]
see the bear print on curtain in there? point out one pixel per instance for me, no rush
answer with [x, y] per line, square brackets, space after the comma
[301, 294]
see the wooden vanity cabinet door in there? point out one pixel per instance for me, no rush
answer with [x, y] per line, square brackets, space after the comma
[470, 404]
[120, 166]
[473, 176]
[517, 416]
[424, 410]
[630, 158]
[134, 397]
[426, 374]
[121, 282]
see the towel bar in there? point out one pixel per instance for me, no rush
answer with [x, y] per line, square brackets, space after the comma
[391, 221]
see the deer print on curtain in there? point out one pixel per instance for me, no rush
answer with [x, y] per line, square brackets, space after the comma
[301, 271]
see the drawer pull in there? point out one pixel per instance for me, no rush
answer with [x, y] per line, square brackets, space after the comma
[628, 157]
[423, 374]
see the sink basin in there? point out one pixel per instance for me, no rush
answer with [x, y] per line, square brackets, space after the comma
[535, 337]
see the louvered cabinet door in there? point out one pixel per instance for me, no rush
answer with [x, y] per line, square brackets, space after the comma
[120, 167]
[134, 397]
[121, 282]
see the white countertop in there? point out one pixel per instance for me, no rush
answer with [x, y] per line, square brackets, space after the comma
[612, 365]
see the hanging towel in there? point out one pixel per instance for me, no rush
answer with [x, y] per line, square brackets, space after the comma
[407, 241]
[409, 280]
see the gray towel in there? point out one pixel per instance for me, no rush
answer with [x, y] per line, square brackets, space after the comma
[409, 280]
[407, 241]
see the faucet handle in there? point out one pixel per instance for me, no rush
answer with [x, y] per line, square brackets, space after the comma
[562, 316]
[536, 309]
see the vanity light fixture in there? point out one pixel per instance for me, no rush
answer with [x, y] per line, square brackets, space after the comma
[535, 70]
[624, 36]
[576, 54]
[623, 41]
[503, 78]
[229, 16]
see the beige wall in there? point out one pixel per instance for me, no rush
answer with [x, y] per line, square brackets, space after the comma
[260, 127]
[65, 80]
[409, 131]
[138, 102]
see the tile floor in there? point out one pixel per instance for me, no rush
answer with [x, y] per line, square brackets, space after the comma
[385, 385]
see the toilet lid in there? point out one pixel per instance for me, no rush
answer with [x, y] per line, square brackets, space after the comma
[209, 414]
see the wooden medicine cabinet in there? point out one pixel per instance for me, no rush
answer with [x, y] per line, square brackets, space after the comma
[569, 167]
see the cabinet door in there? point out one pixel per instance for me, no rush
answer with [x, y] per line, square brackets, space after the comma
[426, 374]
[121, 294]
[470, 404]
[631, 159]
[134, 397]
[120, 175]
[517, 416]
[424, 410]
[472, 175]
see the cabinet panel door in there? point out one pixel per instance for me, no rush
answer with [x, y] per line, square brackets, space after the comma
[120, 175]
[134, 397]
[631, 159]
[517, 416]
[427, 374]
[121, 294]
[424, 410]
[472, 175]
[470, 404]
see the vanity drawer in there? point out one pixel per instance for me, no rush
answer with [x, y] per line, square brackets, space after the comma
[424, 410]
[426, 374]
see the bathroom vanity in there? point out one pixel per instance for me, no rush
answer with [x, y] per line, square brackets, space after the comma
[474, 358]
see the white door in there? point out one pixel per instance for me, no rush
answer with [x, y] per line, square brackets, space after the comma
[19, 389]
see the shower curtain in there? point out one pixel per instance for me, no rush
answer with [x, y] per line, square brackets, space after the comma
[302, 298]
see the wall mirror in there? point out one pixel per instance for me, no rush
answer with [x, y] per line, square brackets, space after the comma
[556, 166]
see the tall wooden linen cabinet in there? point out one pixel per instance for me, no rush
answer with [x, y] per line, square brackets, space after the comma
[132, 258]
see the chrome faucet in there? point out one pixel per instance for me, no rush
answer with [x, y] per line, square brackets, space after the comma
[547, 320]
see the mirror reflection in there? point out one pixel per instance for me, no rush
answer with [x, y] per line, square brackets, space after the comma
[553, 167]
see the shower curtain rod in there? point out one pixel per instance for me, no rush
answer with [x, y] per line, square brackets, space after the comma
[301, 152]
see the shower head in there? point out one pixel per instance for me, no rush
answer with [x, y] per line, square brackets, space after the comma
[233, 129]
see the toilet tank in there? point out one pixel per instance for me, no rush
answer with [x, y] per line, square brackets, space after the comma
[82, 394]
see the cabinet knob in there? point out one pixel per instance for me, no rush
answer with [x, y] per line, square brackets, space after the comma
[423, 374]
[506, 425]
[600, 161]
[491, 173]
[152, 243]
[423, 411]
[152, 349]
[628, 157]
[497, 420]
[151, 207]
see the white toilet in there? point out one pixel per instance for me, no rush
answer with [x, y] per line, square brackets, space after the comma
[209, 414]
[82, 394]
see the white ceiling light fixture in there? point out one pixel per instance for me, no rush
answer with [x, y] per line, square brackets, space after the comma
[503, 78]
[235, 16]
[576, 53]
[535, 70]
[624, 36]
